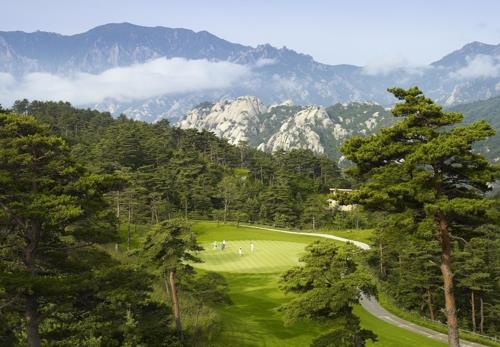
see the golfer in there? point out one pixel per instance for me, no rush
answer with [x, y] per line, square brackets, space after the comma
[240, 251]
[252, 247]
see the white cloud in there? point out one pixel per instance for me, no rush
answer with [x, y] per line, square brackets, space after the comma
[265, 61]
[154, 78]
[288, 84]
[479, 66]
[388, 66]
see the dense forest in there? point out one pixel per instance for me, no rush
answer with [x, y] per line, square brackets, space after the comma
[173, 172]
[75, 181]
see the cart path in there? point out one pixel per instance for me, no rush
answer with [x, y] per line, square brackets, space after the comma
[371, 304]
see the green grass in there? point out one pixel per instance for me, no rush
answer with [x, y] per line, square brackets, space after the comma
[207, 232]
[268, 256]
[386, 302]
[254, 319]
[391, 336]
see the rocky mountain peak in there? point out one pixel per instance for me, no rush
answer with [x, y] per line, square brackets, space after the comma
[285, 126]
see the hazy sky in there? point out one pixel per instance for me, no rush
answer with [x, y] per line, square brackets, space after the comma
[333, 32]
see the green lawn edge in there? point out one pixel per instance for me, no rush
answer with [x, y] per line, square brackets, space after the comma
[386, 302]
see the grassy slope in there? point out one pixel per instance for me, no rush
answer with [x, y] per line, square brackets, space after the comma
[253, 320]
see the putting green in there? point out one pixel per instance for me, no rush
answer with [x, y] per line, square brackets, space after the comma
[268, 256]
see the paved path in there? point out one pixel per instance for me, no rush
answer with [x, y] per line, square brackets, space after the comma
[370, 304]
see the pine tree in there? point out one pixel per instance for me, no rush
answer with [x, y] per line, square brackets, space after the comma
[168, 246]
[425, 164]
[50, 208]
[329, 283]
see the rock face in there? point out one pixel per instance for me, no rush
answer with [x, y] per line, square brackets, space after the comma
[285, 126]
[238, 120]
[301, 131]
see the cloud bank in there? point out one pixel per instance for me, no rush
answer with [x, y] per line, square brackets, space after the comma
[390, 66]
[137, 82]
[478, 67]
[266, 61]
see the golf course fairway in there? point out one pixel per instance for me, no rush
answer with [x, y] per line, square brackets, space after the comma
[253, 319]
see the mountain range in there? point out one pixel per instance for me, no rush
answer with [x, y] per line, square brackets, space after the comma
[271, 74]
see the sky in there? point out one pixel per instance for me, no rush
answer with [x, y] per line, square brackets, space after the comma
[333, 32]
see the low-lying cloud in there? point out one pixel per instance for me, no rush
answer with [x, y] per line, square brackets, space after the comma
[478, 67]
[390, 66]
[136, 82]
[265, 62]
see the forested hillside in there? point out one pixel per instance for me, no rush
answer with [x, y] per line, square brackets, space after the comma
[489, 110]
[172, 172]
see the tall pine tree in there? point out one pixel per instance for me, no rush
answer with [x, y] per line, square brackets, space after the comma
[425, 164]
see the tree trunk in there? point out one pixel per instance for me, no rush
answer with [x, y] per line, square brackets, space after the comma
[32, 320]
[225, 211]
[400, 272]
[31, 313]
[481, 322]
[129, 221]
[175, 304]
[166, 286]
[118, 204]
[473, 310]
[449, 296]
[117, 216]
[429, 304]
[152, 213]
[381, 261]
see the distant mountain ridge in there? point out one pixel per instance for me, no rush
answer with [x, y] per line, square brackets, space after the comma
[122, 44]
[277, 74]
